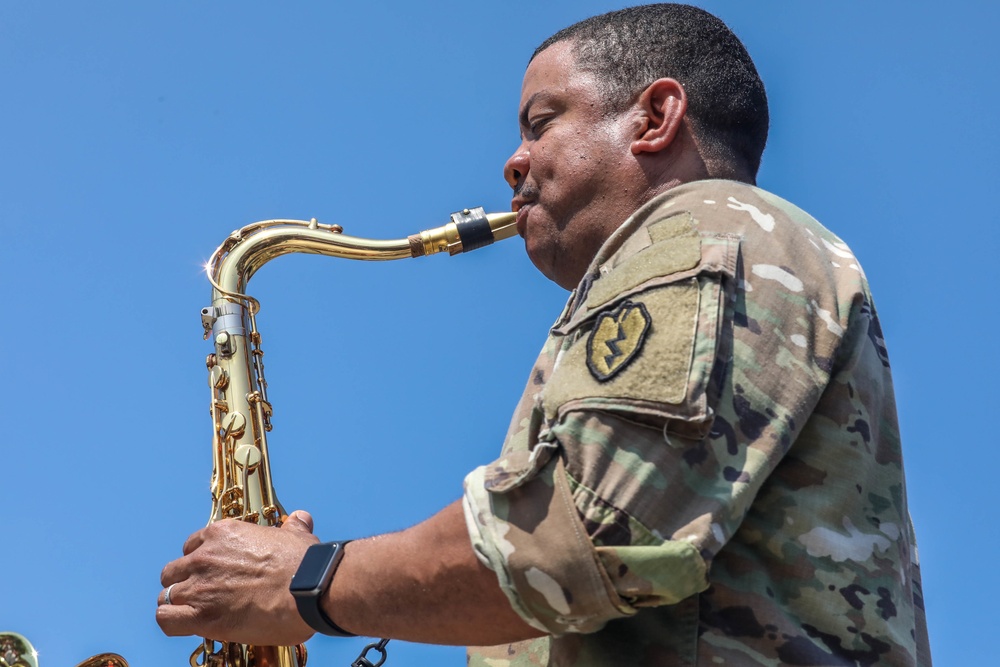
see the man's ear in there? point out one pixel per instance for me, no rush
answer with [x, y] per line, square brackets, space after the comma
[662, 106]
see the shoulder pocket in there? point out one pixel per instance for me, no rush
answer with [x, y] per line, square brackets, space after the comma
[648, 352]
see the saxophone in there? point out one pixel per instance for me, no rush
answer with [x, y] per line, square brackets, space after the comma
[17, 651]
[241, 413]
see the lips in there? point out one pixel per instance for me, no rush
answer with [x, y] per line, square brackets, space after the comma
[521, 206]
[522, 220]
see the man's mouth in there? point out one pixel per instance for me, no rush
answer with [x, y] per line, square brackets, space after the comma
[521, 204]
[522, 218]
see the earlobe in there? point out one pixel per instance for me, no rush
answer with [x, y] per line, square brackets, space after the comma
[663, 104]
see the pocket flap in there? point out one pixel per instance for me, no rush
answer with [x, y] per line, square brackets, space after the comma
[516, 467]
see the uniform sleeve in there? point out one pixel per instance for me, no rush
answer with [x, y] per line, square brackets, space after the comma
[560, 516]
[532, 536]
[593, 512]
[568, 559]
[649, 441]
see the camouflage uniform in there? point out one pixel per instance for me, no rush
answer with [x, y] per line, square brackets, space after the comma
[705, 466]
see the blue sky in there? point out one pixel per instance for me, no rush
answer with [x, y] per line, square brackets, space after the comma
[136, 136]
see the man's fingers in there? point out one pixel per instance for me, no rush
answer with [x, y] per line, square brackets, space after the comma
[174, 571]
[194, 541]
[299, 520]
[232, 583]
[177, 620]
[167, 596]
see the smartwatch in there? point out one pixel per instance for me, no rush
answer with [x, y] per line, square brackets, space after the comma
[310, 583]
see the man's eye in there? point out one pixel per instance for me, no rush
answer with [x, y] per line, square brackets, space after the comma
[536, 126]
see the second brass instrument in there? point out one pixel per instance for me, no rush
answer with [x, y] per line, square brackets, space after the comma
[17, 651]
[241, 413]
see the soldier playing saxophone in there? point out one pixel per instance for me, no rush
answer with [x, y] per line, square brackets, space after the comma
[705, 467]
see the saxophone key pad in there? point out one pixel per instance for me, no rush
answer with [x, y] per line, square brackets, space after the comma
[247, 456]
[218, 378]
[234, 425]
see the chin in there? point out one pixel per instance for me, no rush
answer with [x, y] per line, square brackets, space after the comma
[541, 258]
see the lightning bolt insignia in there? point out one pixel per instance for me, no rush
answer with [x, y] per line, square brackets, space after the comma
[613, 346]
[616, 339]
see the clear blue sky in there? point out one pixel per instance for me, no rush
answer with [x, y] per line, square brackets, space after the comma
[136, 135]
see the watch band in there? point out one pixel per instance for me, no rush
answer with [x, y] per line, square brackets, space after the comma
[308, 600]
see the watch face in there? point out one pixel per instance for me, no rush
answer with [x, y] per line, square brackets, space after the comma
[315, 568]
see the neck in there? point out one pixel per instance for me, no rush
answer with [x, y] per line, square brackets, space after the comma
[685, 161]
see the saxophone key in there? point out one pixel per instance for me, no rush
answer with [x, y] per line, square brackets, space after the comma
[247, 457]
[218, 378]
[231, 501]
[234, 425]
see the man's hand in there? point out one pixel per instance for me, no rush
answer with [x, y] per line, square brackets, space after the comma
[422, 584]
[232, 583]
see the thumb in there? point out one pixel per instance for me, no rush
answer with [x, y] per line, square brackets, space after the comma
[299, 520]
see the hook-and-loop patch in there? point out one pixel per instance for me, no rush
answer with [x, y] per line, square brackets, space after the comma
[643, 342]
[636, 355]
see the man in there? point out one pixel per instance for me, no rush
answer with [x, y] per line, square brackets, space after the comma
[705, 466]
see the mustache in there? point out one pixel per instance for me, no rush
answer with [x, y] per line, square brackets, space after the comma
[526, 191]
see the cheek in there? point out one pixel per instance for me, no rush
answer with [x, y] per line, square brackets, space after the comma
[541, 162]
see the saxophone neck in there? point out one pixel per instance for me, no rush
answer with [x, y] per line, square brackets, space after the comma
[249, 248]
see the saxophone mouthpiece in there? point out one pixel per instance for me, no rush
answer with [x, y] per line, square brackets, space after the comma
[469, 229]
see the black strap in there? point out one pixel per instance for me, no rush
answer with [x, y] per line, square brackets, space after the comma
[310, 607]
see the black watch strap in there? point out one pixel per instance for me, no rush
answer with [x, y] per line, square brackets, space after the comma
[312, 580]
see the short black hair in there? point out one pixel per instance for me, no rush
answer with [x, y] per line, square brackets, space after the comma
[630, 48]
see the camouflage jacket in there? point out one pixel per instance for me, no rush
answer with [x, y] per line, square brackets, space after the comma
[705, 467]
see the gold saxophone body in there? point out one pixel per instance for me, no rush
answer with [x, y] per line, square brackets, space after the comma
[241, 413]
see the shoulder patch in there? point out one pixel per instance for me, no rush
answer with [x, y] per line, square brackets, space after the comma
[616, 339]
[638, 355]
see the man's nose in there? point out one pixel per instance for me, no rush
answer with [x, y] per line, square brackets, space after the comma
[516, 167]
